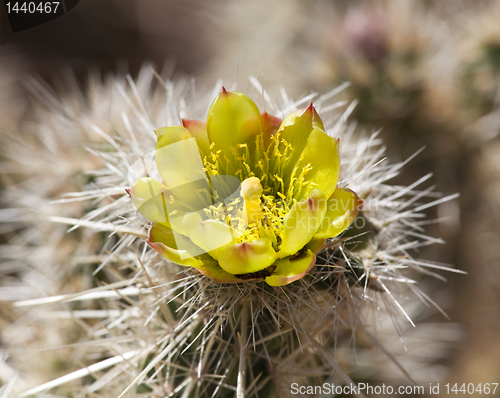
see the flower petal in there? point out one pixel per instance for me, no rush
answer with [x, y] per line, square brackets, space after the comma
[151, 197]
[233, 118]
[170, 135]
[316, 245]
[296, 127]
[212, 270]
[180, 165]
[302, 222]
[199, 131]
[321, 154]
[270, 126]
[174, 247]
[180, 257]
[247, 257]
[210, 235]
[290, 269]
[343, 208]
[164, 241]
[295, 130]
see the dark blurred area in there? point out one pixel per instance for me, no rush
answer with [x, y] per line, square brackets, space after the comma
[100, 33]
[427, 73]
[109, 36]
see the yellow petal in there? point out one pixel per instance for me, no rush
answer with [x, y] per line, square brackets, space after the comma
[181, 167]
[291, 268]
[165, 242]
[296, 127]
[170, 135]
[233, 118]
[343, 207]
[295, 130]
[302, 222]
[321, 153]
[210, 235]
[180, 257]
[199, 131]
[174, 247]
[151, 198]
[247, 257]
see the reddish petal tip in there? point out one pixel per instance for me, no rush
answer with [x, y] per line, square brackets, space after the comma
[186, 123]
[189, 123]
[223, 90]
[153, 245]
[127, 190]
[311, 110]
[270, 126]
[308, 109]
[270, 118]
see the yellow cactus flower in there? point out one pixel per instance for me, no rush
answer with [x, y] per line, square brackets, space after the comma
[245, 196]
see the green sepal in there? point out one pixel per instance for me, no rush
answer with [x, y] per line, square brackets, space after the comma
[316, 245]
[212, 270]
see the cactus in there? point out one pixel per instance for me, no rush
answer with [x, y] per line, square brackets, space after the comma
[158, 322]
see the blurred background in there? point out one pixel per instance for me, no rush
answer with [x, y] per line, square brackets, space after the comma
[425, 72]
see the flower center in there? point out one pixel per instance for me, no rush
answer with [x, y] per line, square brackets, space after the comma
[253, 215]
[266, 195]
[273, 166]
